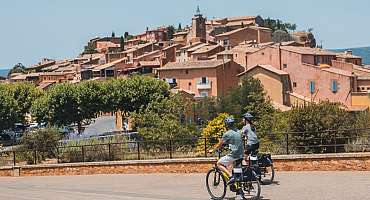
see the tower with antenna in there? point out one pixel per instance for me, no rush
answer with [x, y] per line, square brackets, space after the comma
[198, 29]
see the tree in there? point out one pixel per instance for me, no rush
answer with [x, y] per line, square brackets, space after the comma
[135, 93]
[212, 132]
[18, 68]
[23, 94]
[170, 32]
[249, 97]
[122, 43]
[312, 121]
[113, 34]
[179, 28]
[43, 141]
[59, 106]
[67, 104]
[162, 120]
[8, 115]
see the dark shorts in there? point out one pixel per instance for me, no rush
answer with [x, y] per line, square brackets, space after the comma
[252, 148]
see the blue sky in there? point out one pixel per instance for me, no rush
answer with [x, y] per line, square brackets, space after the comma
[33, 29]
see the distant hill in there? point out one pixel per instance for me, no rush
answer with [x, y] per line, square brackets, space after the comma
[364, 52]
[4, 72]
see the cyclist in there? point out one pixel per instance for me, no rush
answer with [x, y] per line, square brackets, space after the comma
[233, 138]
[249, 131]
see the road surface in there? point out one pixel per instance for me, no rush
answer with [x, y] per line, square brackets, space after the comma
[297, 186]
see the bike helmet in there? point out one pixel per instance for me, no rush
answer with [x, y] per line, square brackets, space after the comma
[229, 120]
[248, 116]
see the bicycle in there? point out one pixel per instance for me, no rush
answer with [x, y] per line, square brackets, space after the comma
[246, 183]
[265, 166]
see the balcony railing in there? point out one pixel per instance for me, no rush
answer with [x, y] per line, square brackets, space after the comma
[206, 85]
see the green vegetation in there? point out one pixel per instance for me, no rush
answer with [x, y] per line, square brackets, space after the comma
[18, 68]
[170, 32]
[15, 102]
[277, 24]
[41, 143]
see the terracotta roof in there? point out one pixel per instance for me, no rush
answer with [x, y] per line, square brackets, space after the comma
[181, 33]
[148, 54]
[338, 71]
[346, 55]
[361, 72]
[24, 76]
[197, 47]
[194, 64]
[308, 50]
[266, 67]
[137, 47]
[206, 49]
[108, 65]
[242, 29]
[172, 46]
[150, 63]
[41, 64]
[191, 46]
[241, 18]
[54, 73]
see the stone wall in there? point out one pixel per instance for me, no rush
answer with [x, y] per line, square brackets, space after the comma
[325, 162]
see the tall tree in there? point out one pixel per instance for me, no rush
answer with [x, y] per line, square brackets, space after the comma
[23, 95]
[179, 28]
[113, 34]
[18, 68]
[170, 32]
[122, 43]
[8, 115]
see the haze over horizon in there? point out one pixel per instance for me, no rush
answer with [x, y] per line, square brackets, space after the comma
[32, 30]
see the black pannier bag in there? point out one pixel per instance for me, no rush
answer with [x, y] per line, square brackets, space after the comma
[265, 160]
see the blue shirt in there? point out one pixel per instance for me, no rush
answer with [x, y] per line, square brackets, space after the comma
[234, 140]
[250, 133]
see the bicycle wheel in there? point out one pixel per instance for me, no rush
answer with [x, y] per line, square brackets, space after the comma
[216, 184]
[251, 190]
[267, 174]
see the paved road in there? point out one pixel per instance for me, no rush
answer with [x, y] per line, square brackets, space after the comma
[297, 186]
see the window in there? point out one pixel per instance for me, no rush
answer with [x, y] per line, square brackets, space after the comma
[285, 65]
[334, 86]
[236, 55]
[203, 81]
[226, 42]
[204, 94]
[187, 71]
[294, 84]
[312, 87]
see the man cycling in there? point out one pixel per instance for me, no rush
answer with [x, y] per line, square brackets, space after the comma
[234, 139]
[249, 131]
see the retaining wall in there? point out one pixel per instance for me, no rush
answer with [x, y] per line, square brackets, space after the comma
[322, 162]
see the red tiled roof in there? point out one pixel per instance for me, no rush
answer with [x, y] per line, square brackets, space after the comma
[206, 49]
[308, 50]
[242, 29]
[266, 67]
[150, 63]
[194, 64]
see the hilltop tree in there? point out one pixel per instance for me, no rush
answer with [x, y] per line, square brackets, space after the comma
[18, 68]
[113, 34]
[122, 43]
[179, 28]
[277, 24]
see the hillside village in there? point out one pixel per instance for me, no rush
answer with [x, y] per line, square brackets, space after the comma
[208, 58]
